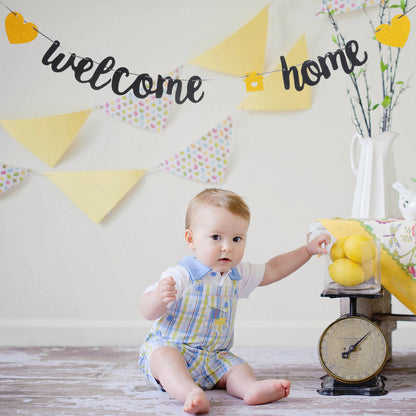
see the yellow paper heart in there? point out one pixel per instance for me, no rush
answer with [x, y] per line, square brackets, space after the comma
[17, 30]
[396, 34]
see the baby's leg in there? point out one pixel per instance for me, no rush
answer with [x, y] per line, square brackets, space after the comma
[241, 382]
[168, 366]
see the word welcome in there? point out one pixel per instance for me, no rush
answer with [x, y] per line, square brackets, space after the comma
[312, 72]
[142, 85]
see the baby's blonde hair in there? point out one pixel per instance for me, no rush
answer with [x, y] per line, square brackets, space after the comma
[217, 198]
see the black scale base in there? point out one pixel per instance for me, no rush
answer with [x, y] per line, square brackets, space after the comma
[372, 387]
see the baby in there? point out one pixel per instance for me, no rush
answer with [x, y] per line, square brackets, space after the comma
[187, 350]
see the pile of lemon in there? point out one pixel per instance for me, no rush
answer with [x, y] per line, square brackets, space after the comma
[353, 260]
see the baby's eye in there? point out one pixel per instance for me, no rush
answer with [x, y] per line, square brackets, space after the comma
[237, 239]
[216, 237]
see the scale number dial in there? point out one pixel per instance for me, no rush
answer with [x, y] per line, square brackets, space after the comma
[352, 349]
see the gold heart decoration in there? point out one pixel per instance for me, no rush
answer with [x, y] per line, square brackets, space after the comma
[17, 30]
[396, 33]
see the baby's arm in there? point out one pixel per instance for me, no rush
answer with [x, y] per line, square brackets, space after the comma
[154, 304]
[284, 264]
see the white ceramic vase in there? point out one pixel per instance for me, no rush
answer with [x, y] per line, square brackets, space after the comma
[375, 171]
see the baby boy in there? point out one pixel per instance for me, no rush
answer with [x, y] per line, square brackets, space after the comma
[187, 350]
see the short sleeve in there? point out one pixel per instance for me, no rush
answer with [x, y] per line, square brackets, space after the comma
[179, 275]
[251, 277]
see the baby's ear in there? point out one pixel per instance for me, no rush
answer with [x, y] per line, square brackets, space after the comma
[189, 239]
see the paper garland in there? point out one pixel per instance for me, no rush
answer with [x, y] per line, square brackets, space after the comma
[240, 53]
[204, 160]
[48, 138]
[96, 193]
[150, 113]
[11, 176]
[345, 6]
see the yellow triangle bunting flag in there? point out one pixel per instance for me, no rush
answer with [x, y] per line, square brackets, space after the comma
[275, 97]
[240, 53]
[96, 193]
[48, 138]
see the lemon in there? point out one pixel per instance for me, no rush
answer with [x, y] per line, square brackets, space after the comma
[359, 248]
[369, 269]
[346, 272]
[337, 250]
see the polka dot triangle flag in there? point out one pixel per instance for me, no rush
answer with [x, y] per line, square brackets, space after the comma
[344, 6]
[11, 176]
[149, 113]
[204, 160]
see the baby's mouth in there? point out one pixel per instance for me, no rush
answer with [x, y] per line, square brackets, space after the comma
[224, 260]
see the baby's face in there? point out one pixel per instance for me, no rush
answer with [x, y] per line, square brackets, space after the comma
[218, 237]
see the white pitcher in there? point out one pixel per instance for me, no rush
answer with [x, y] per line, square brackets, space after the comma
[376, 173]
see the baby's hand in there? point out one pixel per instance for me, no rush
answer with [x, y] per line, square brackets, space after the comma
[317, 245]
[166, 290]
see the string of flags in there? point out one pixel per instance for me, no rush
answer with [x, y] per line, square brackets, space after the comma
[241, 53]
[206, 159]
[96, 193]
[48, 138]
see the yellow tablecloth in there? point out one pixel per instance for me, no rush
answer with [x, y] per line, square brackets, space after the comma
[398, 251]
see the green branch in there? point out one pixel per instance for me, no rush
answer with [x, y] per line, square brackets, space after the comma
[389, 61]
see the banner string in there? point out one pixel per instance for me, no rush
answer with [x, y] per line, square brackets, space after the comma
[131, 73]
[136, 74]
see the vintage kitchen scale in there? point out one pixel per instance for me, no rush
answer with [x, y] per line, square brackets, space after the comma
[353, 349]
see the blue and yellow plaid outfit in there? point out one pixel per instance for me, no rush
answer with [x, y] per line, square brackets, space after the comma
[200, 325]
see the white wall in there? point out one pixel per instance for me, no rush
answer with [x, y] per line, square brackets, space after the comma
[67, 281]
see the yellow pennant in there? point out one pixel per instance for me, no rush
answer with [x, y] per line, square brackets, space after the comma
[275, 97]
[48, 138]
[240, 53]
[96, 193]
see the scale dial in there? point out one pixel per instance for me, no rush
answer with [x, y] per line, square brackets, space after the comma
[352, 349]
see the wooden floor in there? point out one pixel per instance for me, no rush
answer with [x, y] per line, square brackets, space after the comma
[106, 382]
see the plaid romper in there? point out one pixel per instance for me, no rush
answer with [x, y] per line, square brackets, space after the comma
[200, 325]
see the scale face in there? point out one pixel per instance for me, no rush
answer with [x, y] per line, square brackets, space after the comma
[352, 349]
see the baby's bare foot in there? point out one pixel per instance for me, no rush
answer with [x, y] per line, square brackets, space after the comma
[266, 391]
[196, 402]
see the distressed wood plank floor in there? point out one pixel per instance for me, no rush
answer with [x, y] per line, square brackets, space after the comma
[105, 381]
